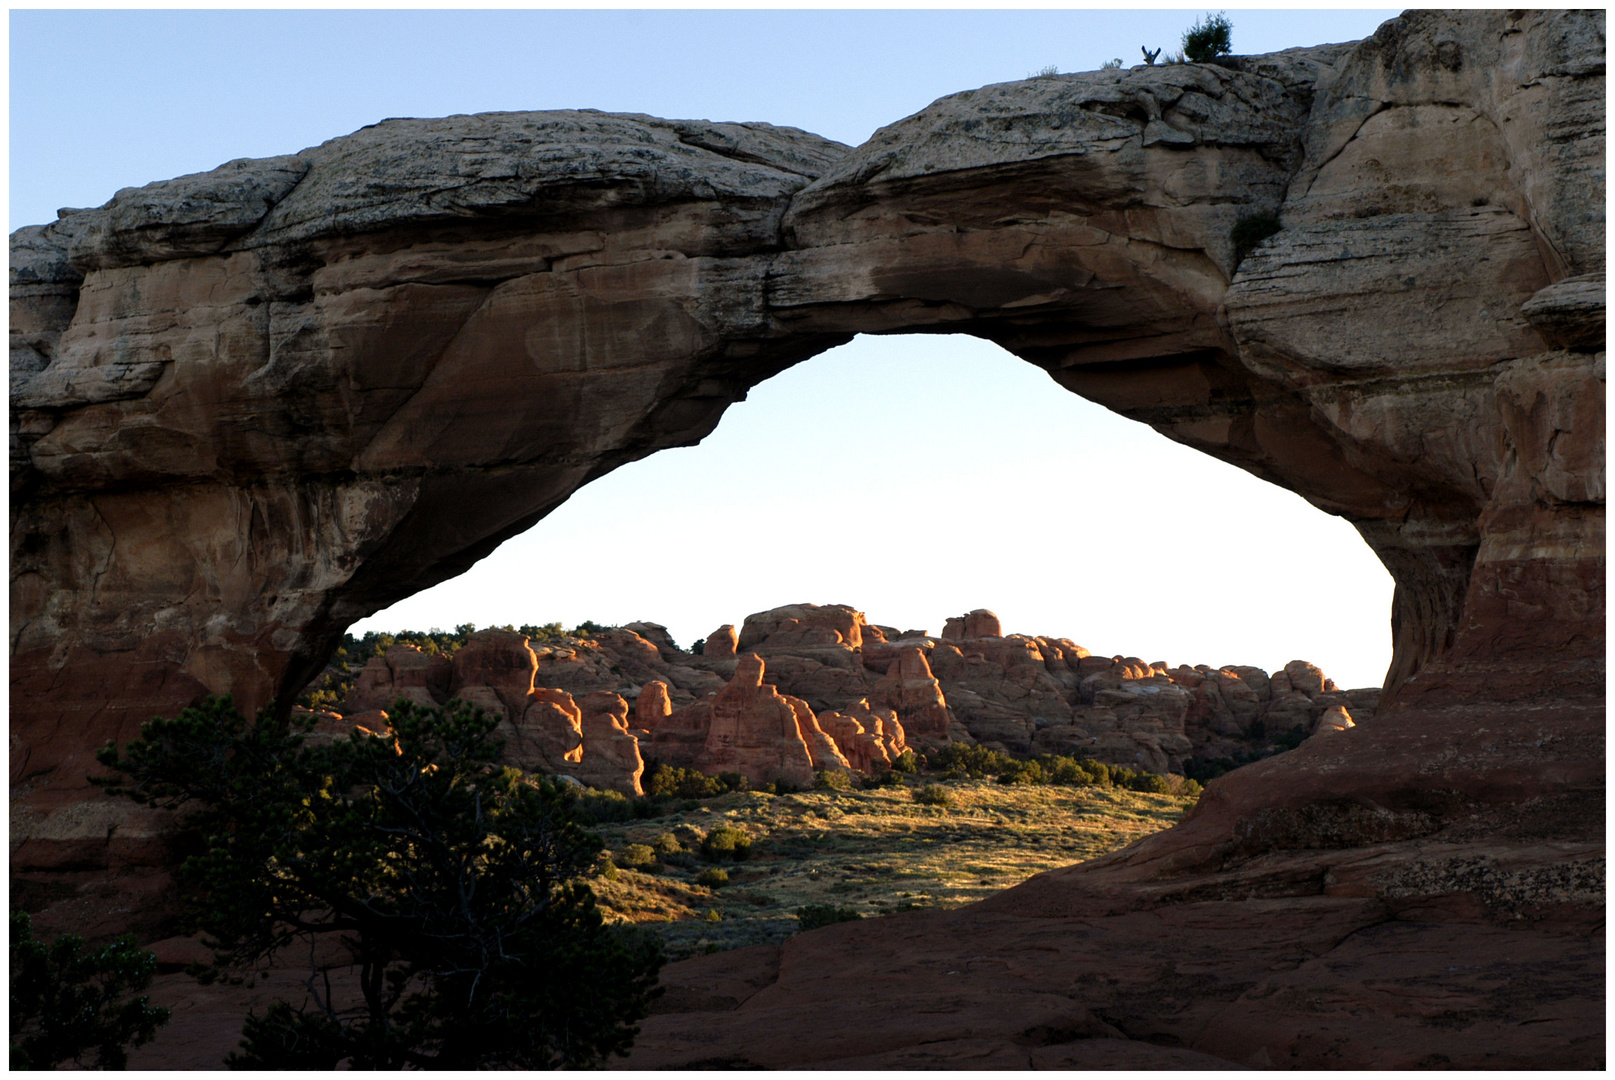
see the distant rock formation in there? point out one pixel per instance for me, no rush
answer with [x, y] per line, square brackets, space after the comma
[756, 731]
[611, 757]
[855, 707]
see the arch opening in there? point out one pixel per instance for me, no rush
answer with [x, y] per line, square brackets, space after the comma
[914, 475]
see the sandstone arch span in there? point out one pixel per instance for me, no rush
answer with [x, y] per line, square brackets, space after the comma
[253, 405]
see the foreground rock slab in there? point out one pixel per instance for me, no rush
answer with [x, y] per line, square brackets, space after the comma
[1067, 973]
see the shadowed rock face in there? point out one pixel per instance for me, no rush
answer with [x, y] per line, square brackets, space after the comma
[252, 406]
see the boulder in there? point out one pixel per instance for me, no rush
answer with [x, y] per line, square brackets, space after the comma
[721, 643]
[1334, 718]
[652, 706]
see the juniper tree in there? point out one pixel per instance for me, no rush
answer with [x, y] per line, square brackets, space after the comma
[455, 883]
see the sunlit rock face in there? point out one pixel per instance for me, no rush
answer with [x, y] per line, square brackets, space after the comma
[252, 406]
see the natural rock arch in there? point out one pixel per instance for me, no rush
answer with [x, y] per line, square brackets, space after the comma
[254, 405]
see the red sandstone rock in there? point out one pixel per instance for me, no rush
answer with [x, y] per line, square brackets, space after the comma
[499, 659]
[652, 706]
[404, 672]
[864, 748]
[720, 643]
[548, 735]
[979, 623]
[611, 757]
[753, 731]
[913, 692]
[1334, 718]
[822, 749]
[798, 625]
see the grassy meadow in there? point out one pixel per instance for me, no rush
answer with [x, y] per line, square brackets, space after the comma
[875, 851]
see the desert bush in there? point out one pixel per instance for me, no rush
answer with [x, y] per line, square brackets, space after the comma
[726, 842]
[813, 916]
[1048, 72]
[932, 795]
[668, 844]
[907, 762]
[831, 780]
[1211, 37]
[891, 778]
[637, 856]
[671, 781]
[603, 807]
[66, 1003]
[1139, 780]
[460, 882]
[1111, 65]
[959, 762]
[779, 786]
[713, 878]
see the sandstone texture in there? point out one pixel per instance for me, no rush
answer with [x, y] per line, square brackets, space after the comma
[253, 405]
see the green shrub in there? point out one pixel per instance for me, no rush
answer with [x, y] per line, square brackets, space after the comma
[1140, 780]
[1249, 232]
[603, 807]
[831, 780]
[1024, 772]
[713, 878]
[668, 844]
[670, 781]
[637, 856]
[1111, 65]
[726, 842]
[1211, 37]
[932, 795]
[712, 916]
[958, 762]
[461, 883]
[813, 916]
[66, 1003]
[907, 762]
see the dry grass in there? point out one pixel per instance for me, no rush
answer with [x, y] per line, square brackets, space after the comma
[874, 851]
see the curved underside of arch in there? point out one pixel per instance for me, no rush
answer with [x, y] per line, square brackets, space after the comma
[254, 405]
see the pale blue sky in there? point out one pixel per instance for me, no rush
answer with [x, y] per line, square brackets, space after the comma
[847, 479]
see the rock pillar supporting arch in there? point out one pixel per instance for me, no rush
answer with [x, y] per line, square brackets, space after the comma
[254, 405]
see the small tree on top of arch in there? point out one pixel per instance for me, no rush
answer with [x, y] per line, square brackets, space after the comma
[1211, 37]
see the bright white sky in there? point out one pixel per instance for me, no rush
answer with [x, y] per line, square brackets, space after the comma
[913, 477]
